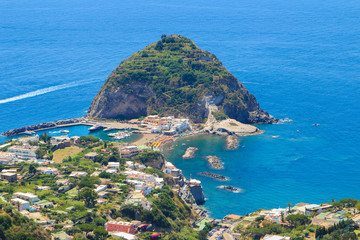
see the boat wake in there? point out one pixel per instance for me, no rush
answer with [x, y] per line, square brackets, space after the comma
[48, 90]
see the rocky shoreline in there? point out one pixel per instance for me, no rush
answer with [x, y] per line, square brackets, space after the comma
[231, 142]
[189, 153]
[215, 162]
[214, 175]
[41, 126]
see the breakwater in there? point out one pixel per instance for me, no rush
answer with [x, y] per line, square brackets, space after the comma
[42, 126]
[214, 175]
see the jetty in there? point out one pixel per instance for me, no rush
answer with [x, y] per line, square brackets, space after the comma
[214, 175]
[189, 153]
[47, 125]
[215, 162]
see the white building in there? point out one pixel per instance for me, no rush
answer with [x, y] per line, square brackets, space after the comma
[26, 196]
[7, 158]
[20, 204]
[28, 139]
[274, 237]
[100, 188]
[172, 170]
[114, 165]
[24, 152]
[78, 174]
[48, 170]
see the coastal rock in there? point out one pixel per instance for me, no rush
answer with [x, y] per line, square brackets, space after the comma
[189, 153]
[172, 77]
[230, 188]
[215, 162]
[231, 142]
[213, 175]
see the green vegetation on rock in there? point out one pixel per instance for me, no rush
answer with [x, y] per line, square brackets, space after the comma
[173, 77]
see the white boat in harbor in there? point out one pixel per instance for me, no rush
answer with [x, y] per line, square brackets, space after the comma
[29, 132]
[120, 135]
[64, 131]
[96, 127]
[109, 129]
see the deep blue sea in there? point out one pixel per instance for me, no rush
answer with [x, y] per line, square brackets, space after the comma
[301, 59]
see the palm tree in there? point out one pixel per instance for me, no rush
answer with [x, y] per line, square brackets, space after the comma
[18, 205]
[332, 201]
[289, 205]
[282, 217]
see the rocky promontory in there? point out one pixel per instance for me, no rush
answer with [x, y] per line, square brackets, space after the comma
[174, 77]
[231, 142]
[189, 153]
[215, 162]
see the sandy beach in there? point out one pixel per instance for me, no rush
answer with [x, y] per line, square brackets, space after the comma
[144, 139]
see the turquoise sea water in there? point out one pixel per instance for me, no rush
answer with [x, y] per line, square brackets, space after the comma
[299, 58]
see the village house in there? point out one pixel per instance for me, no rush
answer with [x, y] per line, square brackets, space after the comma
[48, 170]
[25, 140]
[172, 170]
[91, 155]
[25, 152]
[26, 196]
[44, 204]
[115, 165]
[137, 198]
[40, 188]
[120, 226]
[7, 158]
[20, 204]
[63, 182]
[78, 174]
[274, 237]
[9, 176]
[122, 235]
[129, 151]
[100, 188]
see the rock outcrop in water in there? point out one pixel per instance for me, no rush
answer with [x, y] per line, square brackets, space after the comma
[214, 175]
[215, 162]
[189, 153]
[231, 142]
[175, 77]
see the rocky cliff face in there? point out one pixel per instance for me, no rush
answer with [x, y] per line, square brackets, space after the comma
[175, 77]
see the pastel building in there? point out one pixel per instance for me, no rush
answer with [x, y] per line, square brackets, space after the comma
[120, 226]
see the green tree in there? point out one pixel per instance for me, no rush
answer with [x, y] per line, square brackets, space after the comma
[298, 219]
[89, 195]
[100, 233]
[32, 169]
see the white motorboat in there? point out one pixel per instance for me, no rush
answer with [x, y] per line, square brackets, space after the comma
[96, 127]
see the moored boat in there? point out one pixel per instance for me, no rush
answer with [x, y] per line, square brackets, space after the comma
[96, 127]
[108, 129]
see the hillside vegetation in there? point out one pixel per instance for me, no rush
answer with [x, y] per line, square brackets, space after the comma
[174, 77]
